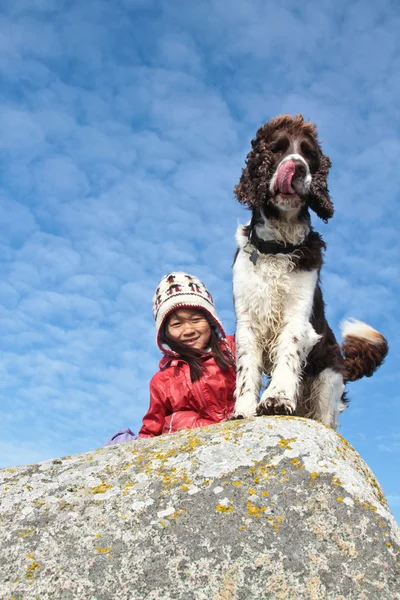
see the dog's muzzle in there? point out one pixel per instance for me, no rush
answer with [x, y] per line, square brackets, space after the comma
[291, 181]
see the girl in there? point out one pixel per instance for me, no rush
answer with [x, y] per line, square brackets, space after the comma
[196, 381]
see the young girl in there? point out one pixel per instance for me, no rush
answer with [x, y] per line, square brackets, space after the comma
[196, 381]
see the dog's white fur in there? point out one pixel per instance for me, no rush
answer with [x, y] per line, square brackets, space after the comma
[358, 329]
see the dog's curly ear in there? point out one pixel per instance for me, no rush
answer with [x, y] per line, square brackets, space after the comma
[252, 188]
[319, 200]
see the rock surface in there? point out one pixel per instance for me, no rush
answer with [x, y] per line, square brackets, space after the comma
[273, 507]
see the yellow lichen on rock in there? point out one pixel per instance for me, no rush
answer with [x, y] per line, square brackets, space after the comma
[222, 508]
[100, 489]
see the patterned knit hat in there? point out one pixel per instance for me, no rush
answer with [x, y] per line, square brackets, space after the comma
[180, 290]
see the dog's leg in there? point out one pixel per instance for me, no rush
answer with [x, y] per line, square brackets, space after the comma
[327, 391]
[296, 338]
[248, 370]
[248, 349]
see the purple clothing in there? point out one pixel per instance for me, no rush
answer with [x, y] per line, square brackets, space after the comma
[122, 435]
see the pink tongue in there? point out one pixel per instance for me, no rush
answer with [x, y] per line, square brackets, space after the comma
[285, 176]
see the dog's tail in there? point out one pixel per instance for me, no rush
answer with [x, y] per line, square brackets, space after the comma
[364, 349]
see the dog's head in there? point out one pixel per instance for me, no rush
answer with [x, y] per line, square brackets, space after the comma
[286, 169]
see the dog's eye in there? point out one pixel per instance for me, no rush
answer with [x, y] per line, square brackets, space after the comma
[309, 152]
[280, 145]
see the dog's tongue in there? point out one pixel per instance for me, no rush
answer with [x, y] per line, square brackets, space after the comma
[285, 176]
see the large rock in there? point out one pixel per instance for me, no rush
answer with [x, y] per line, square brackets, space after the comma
[274, 507]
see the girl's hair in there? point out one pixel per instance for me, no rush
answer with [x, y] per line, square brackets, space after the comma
[194, 357]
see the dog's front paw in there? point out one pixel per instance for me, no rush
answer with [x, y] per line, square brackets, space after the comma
[275, 404]
[245, 407]
[236, 417]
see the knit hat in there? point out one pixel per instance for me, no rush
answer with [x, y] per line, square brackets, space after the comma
[180, 290]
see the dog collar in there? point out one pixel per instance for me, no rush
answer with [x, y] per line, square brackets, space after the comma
[309, 249]
[273, 247]
[269, 247]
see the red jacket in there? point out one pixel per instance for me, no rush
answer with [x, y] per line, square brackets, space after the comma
[178, 403]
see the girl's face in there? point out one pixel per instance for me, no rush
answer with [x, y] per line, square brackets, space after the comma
[189, 326]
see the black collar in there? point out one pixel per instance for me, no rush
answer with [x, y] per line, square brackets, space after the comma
[272, 247]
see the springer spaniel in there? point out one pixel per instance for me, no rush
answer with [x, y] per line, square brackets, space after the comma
[281, 325]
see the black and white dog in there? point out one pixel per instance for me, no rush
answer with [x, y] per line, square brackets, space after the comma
[281, 325]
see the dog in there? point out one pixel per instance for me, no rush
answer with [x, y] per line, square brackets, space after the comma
[281, 326]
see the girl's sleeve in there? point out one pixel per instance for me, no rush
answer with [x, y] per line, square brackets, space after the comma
[154, 419]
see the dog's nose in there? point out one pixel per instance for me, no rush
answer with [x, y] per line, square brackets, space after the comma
[300, 170]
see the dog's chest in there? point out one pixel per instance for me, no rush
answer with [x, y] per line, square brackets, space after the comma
[262, 289]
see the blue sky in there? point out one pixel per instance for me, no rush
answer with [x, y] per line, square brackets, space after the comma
[124, 126]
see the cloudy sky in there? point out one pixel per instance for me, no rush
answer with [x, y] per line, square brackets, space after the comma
[124, 126]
